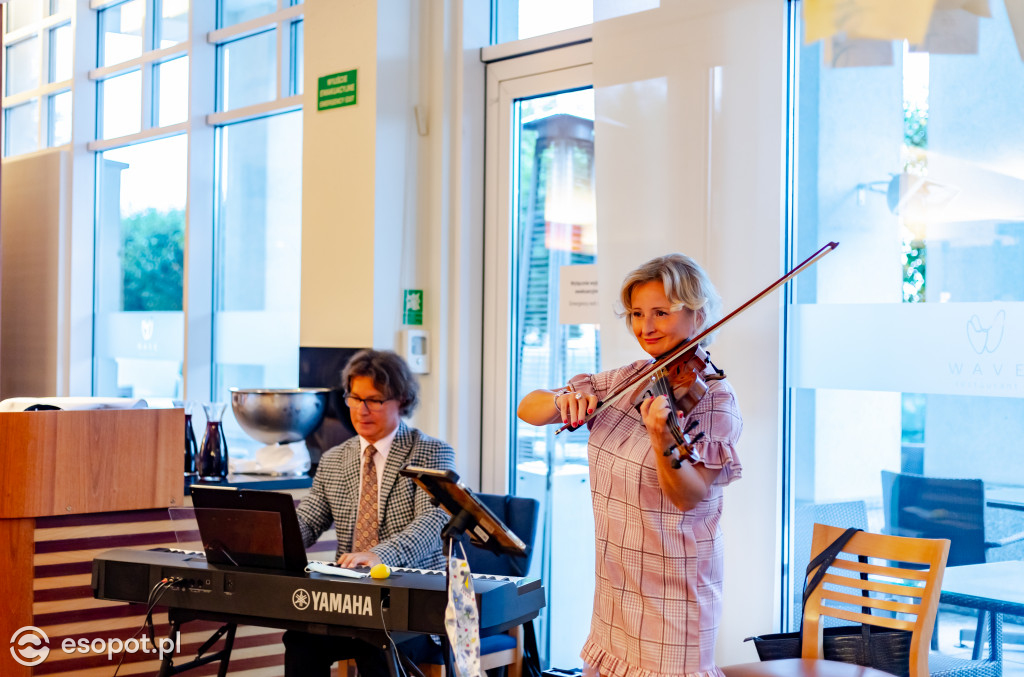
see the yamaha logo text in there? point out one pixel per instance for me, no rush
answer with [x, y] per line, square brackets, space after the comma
[341, 603]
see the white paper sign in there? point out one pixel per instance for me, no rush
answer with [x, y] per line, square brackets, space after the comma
[578, 300]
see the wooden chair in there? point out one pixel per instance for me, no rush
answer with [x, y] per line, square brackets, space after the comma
[842, 586]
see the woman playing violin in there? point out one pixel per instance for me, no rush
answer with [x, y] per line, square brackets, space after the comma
[658, 591]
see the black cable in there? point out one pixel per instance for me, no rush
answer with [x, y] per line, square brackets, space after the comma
[394, 647]
[155, 595]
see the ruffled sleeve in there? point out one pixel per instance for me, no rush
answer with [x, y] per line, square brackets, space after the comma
[721, 423]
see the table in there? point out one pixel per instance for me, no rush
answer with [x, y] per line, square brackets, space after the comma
[1004, 496]
[993, 587]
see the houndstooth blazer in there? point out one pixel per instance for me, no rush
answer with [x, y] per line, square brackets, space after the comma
[410, 527]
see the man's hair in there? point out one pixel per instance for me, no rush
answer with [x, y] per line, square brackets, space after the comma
[390, 375]
[686, 286]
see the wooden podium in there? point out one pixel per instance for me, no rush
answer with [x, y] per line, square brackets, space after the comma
[67, 464]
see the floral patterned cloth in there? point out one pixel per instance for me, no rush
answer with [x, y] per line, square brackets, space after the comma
[461, 619]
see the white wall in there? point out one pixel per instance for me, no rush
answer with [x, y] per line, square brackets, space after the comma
[392, 195]
[34, 242]
[338, 180]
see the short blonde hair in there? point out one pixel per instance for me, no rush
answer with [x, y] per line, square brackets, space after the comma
[686, 286]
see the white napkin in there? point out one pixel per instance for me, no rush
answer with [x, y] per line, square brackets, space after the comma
[274, 459]
[73, 403]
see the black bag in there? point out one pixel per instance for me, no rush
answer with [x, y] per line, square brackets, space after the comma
[884, 649]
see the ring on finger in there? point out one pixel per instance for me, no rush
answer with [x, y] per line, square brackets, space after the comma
[579, 396]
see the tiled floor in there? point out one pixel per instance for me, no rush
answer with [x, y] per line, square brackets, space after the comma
[950, 625]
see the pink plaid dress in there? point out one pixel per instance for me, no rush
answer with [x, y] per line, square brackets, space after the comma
[657, 599]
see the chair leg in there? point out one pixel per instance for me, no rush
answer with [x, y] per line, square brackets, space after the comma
[979, 635]
[430, 670]
[996, 637]
[515, 669]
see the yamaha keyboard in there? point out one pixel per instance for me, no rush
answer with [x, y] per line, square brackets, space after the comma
[410, 600]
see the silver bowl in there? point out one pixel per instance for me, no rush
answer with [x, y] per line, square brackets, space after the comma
[273, 415]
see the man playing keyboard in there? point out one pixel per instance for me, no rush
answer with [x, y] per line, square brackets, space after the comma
[378, 515]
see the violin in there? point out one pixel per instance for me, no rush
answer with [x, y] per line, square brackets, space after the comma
[683, 383]
[679, 374]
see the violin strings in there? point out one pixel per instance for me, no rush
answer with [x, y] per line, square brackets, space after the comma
[661, 388]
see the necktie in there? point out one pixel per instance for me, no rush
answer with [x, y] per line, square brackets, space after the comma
[366, 533]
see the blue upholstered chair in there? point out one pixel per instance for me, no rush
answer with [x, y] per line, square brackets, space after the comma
[503, 653]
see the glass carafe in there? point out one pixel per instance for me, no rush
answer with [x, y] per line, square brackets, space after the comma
[213, 455]
[191, 448]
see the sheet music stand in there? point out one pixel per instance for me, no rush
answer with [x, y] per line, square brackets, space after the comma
[468, 515]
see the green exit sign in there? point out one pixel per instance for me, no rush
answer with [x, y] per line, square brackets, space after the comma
[336, 90]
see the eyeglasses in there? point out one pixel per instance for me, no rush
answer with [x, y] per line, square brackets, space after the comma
[372, 405]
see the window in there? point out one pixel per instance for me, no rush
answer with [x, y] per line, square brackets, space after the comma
[247, 69]
[132, 98]
[171, 87]
[140, 238]
[22, 13]
[258, 257]
[236, 11]
[22, 66]
[60, 53]
[60, 119]
[21, 125]
[145, 60]
[296, 58]
[520, 19]
[904, 352]
[172, 25]
[121, 32]
[120, 100]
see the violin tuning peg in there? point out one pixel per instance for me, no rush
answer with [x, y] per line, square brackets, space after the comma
[676, 463]
[697, 437]
[693, 424]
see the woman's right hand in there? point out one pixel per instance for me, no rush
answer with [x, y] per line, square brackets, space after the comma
[543, 407]
[574, 407]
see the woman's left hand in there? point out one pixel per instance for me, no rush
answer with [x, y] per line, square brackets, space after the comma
[687, 485]
[655, 412]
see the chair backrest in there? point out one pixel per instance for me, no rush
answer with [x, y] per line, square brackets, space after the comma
[916, 589]
[937, 507]
[520, 515]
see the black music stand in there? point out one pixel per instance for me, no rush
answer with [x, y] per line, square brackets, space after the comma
[468, 515]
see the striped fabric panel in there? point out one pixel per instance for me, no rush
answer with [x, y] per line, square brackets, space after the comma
[64, 608]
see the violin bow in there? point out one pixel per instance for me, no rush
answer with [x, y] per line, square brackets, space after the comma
[689, 345]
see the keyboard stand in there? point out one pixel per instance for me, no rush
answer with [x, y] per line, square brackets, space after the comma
[394, 658]
[167, 667]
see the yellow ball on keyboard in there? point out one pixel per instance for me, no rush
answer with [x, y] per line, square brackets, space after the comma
[380, 571]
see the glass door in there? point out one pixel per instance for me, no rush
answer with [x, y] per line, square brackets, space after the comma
[542, 243]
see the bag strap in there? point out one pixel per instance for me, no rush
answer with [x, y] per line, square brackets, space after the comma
[822, 561]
